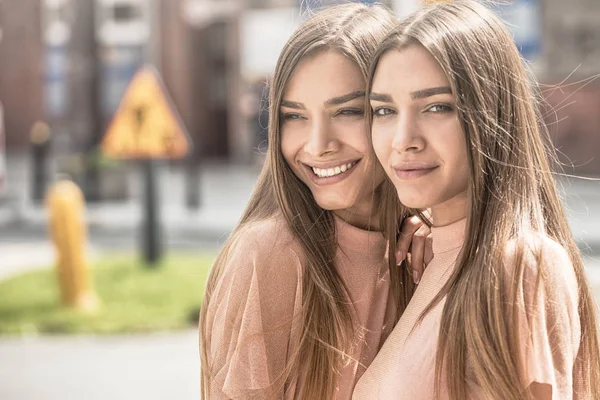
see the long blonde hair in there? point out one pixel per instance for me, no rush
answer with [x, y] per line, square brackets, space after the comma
[354, 30]
[511, 192]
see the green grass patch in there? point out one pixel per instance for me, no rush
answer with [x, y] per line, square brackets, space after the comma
[133, 297]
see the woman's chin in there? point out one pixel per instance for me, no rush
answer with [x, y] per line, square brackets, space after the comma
[333, 201]
[412, 202]
[334, 205]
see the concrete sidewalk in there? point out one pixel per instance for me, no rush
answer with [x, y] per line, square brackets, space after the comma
[160, 366]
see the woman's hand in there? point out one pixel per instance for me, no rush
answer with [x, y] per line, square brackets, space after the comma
[414, 244]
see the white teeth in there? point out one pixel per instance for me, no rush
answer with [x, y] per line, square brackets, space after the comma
[324, 173]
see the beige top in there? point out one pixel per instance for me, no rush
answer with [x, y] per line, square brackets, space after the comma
[253, 315]
[405, 367]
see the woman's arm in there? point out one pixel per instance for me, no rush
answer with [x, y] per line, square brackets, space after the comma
[549, 325]
[252, 316]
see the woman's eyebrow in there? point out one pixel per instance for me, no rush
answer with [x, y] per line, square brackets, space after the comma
[345, 98]
[421, 94]
[331, 102]
[386, 98]
[292, 104]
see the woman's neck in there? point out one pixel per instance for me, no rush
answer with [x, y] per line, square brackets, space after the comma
[363, 215]
[450, 211]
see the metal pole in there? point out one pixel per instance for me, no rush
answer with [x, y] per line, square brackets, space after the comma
[193, 198]
[151, 228]
[152, 247]
[40, 147]
[84, 118]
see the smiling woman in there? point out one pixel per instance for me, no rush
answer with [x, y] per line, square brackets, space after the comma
[323, 136]
[302, 295]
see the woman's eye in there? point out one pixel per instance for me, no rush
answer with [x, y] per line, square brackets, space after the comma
[290, 116]
[440, 108]
[382, 112]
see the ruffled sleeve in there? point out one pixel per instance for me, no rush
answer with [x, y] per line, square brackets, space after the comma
[549, 322]
[253, 315]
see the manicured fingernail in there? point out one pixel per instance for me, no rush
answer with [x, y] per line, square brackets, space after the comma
[399, 256]
[416, 277]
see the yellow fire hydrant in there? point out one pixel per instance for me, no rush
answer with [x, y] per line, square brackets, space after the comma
[66, 207]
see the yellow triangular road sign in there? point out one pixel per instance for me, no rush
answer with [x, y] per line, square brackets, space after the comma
[146, 125]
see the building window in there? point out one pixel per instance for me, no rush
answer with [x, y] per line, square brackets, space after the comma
[126, 12]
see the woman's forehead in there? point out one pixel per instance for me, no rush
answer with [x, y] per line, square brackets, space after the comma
[322, 76]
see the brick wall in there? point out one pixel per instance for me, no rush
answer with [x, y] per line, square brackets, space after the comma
[20, 69]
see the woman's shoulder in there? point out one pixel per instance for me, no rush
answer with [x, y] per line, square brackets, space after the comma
[267, 235]
[265, 246]
[542, 256]
[535, 247]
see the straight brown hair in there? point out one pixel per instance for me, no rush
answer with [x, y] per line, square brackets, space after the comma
[512, 192]
[355, 31]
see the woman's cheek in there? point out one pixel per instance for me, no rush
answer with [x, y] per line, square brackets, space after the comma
[380, 144]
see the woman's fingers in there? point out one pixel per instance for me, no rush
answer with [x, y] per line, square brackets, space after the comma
[418, 252]
[428, 249]
[409, 227]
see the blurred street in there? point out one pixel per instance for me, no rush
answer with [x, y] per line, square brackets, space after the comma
[67, 70]
[122, 366]
[150, 366]
[225, 189]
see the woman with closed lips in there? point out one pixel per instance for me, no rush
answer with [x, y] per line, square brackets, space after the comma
[504, 310]
[302, 295]
[416, 114]
[410, 167]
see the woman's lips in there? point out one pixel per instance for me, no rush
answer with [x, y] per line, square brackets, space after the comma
[409, 171]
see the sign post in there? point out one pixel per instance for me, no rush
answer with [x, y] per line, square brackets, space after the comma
[2, 153]
[147, 127]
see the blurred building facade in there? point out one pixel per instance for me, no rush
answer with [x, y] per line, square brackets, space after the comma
[20, 71]
[571, 49]
[215, 57]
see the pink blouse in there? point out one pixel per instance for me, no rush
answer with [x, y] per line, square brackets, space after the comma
[405, 366]
[253, 317]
